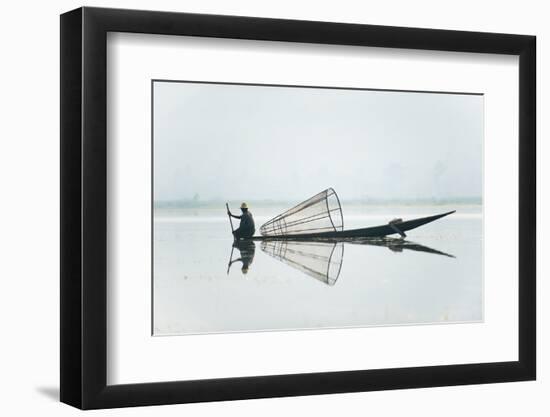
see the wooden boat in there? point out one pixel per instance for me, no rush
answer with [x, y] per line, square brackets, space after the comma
[321, 217]
[367, 232]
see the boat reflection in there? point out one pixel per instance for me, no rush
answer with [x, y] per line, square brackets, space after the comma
[398, 245]
[320, 260]
[323, 259]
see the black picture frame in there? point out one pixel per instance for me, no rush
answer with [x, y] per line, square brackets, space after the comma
[84, 207]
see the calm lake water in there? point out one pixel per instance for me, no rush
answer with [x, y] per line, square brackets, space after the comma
[433, 277]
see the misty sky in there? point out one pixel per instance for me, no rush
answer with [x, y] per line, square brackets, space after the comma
[235, 142]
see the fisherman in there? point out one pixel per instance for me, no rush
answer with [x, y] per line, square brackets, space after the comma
[246, 228]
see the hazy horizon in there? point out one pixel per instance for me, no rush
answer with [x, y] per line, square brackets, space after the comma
[198, 203]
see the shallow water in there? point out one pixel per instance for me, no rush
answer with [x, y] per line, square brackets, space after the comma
[378, 284]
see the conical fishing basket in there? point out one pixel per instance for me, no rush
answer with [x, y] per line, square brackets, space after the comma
[320, 213]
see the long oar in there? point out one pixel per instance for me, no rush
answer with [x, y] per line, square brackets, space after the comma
[230, 221]
[232, 230]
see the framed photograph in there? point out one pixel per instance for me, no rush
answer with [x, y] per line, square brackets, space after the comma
[356, 203]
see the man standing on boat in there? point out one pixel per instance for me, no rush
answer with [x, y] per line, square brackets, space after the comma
[246, 228]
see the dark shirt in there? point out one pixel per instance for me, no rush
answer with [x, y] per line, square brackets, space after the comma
[247, 223]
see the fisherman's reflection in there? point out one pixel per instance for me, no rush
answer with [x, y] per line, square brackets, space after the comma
[247, 248]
